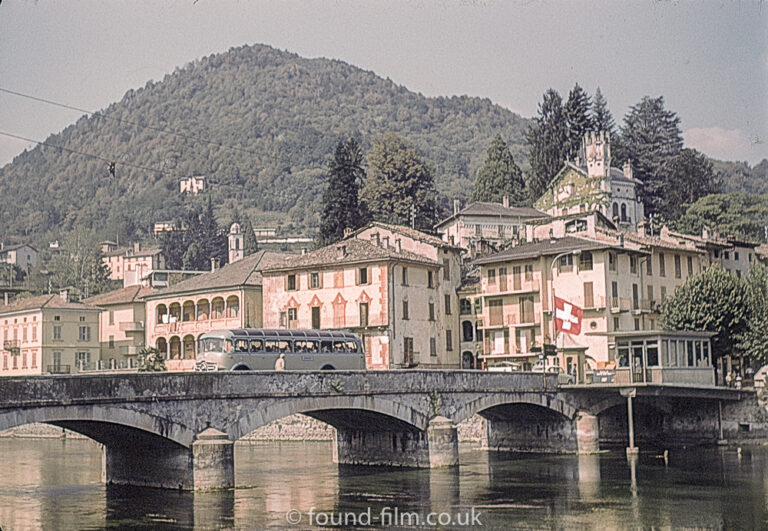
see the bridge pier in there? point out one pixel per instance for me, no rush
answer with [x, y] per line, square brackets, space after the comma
[208, 464]
[438, 446]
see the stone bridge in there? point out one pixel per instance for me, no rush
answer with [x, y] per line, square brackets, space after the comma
[176, 430]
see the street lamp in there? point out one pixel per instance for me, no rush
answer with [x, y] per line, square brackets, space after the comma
[575, 252]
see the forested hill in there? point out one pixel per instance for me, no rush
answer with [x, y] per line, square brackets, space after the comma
[271, 119]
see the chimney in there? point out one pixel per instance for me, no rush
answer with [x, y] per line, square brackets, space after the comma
[621, 240]
[303, 250]
[505, 201]
[214, 264]
[64, 294]
[705, 233]
[348, 232]
[376, 239]
[456, 206]
[398, 245]
[136, 247]
[385, 242]
[628, 169]
[342, 251]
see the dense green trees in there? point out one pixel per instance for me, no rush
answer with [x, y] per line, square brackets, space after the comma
[341, 207]
[602, 119]
[687, 177]
[500, 176]
[198, 239]
[78, 265]
[735, 308]
[739, 215]
[577, 120]
[650, 139]
[399, 184]
[548, 143]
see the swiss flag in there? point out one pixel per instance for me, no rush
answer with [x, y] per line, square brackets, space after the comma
[567, 316]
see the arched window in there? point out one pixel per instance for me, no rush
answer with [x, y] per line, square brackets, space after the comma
[623, 212]
[615, 211]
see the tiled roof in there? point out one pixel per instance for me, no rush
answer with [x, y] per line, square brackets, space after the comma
[44, 301]
[349, 252]
[496, 210]
[661, 243]
[128, 251]
[545, 248]
[245, 272]
[16, 246]
[409, 232]
[119, 296]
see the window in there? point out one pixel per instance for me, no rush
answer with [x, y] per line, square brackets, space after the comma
[57, 317]
[589, 301]
[432, 347]
[430, 279]
[84, 333]
[566, 263]
[449, 340]
[446, 269]
[465, 307]
[491, 276]
[362, 275]
[528, 272]
[478, 306]
[56, 361]
[408, 351]
[363, 314]
[111, 342]
[678, 267]
[292, 314]
[111, 317]
[633, 264]
[447, 305]
[82, 359]
[526, 310]
[637, 323]
[315, 317]
[405, 276]
[611, 261]
[615, 323]
[82, 318]
[662, 265]
[56, 331]
[635, 297]
[431, 311]
[291, 283]
[649, 267]
[650, 295]
[663, 293]
[736, 255]
[727, 255]
[585, 261]
[405, 309]
[314, 280]
[34, 333]
[283, 319]
[690, 265]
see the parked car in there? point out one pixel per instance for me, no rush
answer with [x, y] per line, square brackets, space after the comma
[505, 366]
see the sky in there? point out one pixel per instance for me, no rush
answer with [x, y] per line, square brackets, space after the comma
[708, 58]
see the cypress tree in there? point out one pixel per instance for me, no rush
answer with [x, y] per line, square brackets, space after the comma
[602, 119]
[341, 207]
[499, 176]
[577, 119]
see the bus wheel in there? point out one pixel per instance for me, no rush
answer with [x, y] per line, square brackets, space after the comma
[241, 368]
[327, 368]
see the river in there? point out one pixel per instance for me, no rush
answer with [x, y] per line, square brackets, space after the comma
[56, 484]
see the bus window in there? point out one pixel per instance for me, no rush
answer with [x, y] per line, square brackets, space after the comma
[241, 345]
[326, 346]
[285, 346]
[256, 345]
[271, 345]
[351, 346]
[211, 344]
[228, 345]
[338, 346]
[312, 346]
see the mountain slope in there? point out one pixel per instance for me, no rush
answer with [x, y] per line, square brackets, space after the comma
[277, 117]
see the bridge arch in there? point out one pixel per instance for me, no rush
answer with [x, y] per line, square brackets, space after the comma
[488, 401]
[100, 423]
[337, 411]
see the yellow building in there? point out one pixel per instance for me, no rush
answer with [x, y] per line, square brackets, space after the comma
[122, 323]
[227, 297]
[48, 335]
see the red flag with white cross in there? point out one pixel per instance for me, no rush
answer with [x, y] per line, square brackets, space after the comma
[567, 316]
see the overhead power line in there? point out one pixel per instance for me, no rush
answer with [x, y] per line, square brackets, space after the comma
[111, 162]
[127, 122]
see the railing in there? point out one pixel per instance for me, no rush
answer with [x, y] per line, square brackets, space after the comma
[10, 344]
[643, 305]
[58, 369]
[203, 325]
[620, 304]
[499, 288]
[106, 365]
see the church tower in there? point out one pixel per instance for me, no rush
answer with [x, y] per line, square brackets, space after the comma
[236, 239]
[597, 153]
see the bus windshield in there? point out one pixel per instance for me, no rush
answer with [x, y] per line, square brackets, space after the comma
[212, 344]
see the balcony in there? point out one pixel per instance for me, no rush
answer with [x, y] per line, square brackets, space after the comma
[620, 304]
[510, 320]
[509, 288]
[58, 369]
[10, 344]
[134, 326]
[644, 306]
[196, 327]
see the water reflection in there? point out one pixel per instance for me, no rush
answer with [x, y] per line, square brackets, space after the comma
[57, 485]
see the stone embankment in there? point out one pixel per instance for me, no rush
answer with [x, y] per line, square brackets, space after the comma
[293, 428]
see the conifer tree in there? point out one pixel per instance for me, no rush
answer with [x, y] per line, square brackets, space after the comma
[650, 138]
[547, 139]
[602, 119]
[499, 176]
[250, 243]
[687, 177]
[341, 206]
[399, 184]
[577, 119]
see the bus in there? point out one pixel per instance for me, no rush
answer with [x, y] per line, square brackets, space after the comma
[250, 349]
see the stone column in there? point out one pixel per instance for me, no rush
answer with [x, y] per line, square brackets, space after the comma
[587, 433]
[443, 441]
[213, 459]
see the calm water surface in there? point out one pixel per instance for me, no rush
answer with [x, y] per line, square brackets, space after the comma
[56, 484]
